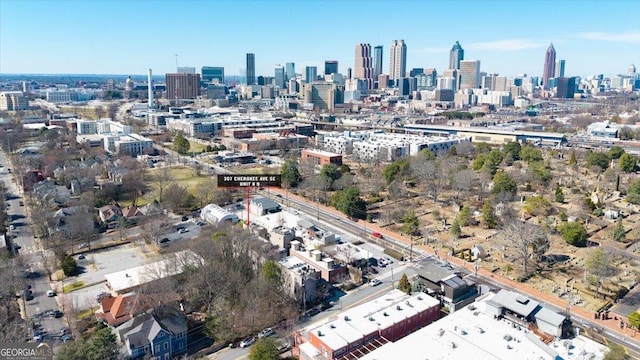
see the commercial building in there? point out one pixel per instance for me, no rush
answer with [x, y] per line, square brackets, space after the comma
[559, 69]
[251, 69]
[479, 332]
[279, 77]
[549, 66]
[186, 70]
[300, 280]
[364, 64]
[310, 74]
[211, 74]
[377, 61]
[13, 101]
[397, 60]
[216, 215]
[321, 94]
[330, 271]
[455, 56]
[469, 74]
[356, 331]
[330, 67]
[565, 87]
[182, 86]
[320, 157]
[289, 71]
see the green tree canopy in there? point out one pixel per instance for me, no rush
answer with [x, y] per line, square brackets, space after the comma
[73, 350]
[180, 144]
[330, 171]
[540, 173]
[404, 285]
[627, 163]
[271, 272]
[489, 218]
[503, 183]
[615, 152]
[396, 169]
[619, 233]
[626, 133]
[616, 352]
[264, 349]
[69, 266]
[633, 192]
[530, 154]
[598, 159]
[456, 230]
[574, 233]
[537, 206]
[349, 202]
[290, 174]
[103, 345]
[512, 149]
[464, 216]
[410, 222]
[483, 147]
[634, 319]
[559, 195]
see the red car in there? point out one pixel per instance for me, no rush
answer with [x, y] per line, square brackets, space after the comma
[376, 235]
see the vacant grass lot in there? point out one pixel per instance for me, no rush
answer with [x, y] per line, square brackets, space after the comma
[196, 147]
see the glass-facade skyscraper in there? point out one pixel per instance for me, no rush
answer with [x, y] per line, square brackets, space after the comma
[311, 74]
[251, 69]
[549, 66]
[377, 61]
[455, 56]
[330, 67]
[279, 76]
[289, 71]
[213, 72]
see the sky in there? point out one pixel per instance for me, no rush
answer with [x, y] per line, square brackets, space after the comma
[129, 37]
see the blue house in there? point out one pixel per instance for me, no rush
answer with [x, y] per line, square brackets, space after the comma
[161, 333]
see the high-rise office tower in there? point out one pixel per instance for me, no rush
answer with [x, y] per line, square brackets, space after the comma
[455, 56]
[397, 60]
[415, 71]
[278, 76]
[311, 74]
[549, 66]
[559, 69]
[631, 71]
[566, 87]
[182, 86]
[289, 71]
[364, 65]
[212, 74]
[349, 73]
[186, 70]
[469, 74]
[251, 69]
[330, 67]
[377, 61]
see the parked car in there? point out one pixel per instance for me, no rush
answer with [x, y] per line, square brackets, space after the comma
[81, 257]
[247, 342]
[373, 270]
[83, 245]
[28, 297]
[265, 333]
[375, 282]
[183, 230]
[185, 218]
[66, 338]
[57, 314]
[12, 227]
[51, 293]
[284, 347]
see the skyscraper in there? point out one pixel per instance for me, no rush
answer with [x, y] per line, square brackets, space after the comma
[251, 69]
[455, 56]
[469, 74]
[397, 60]
[377, 61]
[549, 66]
[311, 74]
[182, 86]
[211, 73]
[279, 77]
[363, 66]
[330, 67]
[289, 71]
[559, 69]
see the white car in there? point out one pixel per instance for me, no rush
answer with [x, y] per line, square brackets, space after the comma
[265, 333]
[51, 293]
[375, 282]
[12, 227]
[247, 342]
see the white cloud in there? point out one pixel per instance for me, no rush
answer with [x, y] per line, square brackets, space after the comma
[626, 37]
[507, 45]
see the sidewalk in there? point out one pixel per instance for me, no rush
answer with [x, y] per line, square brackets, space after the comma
[611, 324]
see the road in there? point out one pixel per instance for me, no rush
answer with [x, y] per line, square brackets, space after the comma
[30, 256]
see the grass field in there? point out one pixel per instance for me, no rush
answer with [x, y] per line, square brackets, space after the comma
[181, 175]
[70, 287]
[196, 147]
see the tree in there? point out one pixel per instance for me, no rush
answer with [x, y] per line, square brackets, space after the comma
[627, 163]
[503, 183]
[574, 233]
[290, 174]
[599, 266]
[616, 352]
[331, 173]
[349, 202]
[512, 149]
[572, 158]
[404, 285]
[489, 218]
[162, 178]
[69, 266]
[271, 272]
[615, 152]
[598, 159]
[537, 206]
[526, 240]
[626, 133]
[264, 349]
[634, 319]
[530, 154]
[464, 216]
[180, 144]
[456, 230]
[559, 195]
[432, 173]
[619, 234]
[73, 350]
[410, 222]
[396, 169]
[633, 192]
[103, 345]
[483, 147]
[539, 173]
[462, 182]
[492, 161]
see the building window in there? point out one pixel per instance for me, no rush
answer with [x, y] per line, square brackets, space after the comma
[166, 345]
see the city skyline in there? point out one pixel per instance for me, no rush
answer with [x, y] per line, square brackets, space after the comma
[150, 34]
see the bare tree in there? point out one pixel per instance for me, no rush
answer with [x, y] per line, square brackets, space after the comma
[525, 240]
[162, 179]
[462, 182]
[599, 266]
[432, 173]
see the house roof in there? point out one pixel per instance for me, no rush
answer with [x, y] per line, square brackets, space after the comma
[131, 211]
[515, 302]
[142, 329]
[435, 273]
[550, 317]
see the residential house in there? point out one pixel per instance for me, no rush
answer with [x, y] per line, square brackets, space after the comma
[454, 291]
[117, 310]
[109, 213]
[160, 333]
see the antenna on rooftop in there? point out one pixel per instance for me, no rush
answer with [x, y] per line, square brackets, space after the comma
[176, 55]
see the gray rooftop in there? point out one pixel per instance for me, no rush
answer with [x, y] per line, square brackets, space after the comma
[515, 302]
